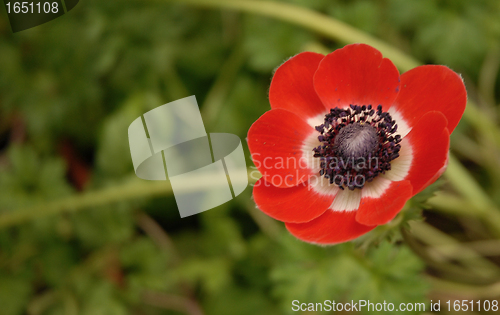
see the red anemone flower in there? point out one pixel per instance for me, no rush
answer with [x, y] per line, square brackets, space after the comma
[348, 140]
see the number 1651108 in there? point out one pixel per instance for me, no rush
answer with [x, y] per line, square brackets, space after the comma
[30, 7]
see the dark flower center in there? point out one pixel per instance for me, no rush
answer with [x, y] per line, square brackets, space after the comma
[357, 144]
[356, 140]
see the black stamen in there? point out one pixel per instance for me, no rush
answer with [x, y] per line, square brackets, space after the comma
[357, 144]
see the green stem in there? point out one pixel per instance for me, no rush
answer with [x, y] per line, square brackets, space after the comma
[482, 123]
[466, 185]
[85, 200]
[136, 189]
[451, 204]
[311, 20]
[458, 206]
[447, 270]
[447, 247]
[471, 291]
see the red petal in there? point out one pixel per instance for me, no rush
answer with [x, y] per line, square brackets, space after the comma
[431, 88]
[331, 227]
[356, 74]
[430, 141]
[275, 141]
[292, 86]
[296, 204]
[376, 211]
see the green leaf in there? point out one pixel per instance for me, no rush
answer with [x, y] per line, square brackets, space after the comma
[390, 273]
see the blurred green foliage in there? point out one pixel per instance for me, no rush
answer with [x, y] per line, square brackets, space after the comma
[77, 82]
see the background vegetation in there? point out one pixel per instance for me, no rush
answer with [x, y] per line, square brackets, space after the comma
[80, 234]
